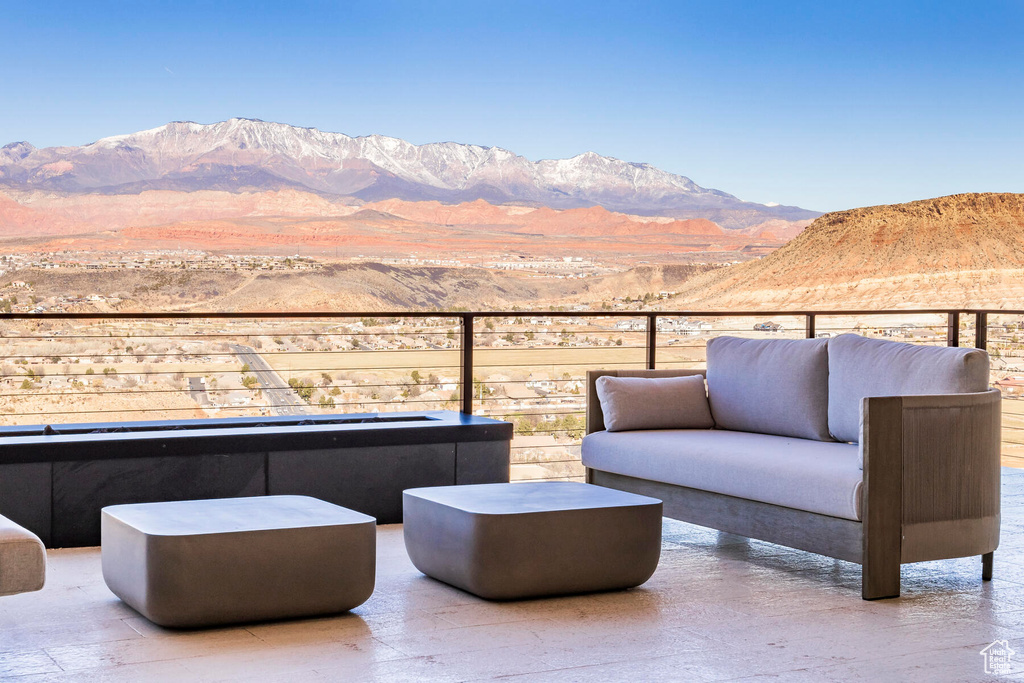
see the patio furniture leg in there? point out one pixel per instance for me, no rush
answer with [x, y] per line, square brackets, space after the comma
[880, 577]
[986, 566]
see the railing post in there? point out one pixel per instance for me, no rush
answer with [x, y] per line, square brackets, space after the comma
[652, 340]
[981, 330]
[953, 329]
[466, 363]
[810, 326]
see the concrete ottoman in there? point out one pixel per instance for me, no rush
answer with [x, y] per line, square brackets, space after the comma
[509, 541]
[207, 562]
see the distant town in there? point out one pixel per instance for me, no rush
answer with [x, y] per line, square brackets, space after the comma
[529, 368]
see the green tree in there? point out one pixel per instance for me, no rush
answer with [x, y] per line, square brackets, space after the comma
[480, 389]
[572, 425]
[304, 388]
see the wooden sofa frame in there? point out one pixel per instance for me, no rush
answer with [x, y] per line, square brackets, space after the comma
[930, 492]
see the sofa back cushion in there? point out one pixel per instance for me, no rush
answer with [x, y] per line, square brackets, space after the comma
[859, 367]
[630, 403]
[770, 386]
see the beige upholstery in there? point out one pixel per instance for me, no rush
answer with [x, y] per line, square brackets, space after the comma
[654, 403]
[803, 474]
[595, 417]
[770, 386]
[859, 367]
[927, 447]
[22, 559]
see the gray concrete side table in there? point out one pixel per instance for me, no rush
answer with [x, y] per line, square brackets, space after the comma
[200, 563]
[510, 541]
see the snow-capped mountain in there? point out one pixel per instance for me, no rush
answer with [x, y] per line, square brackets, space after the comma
[247, 154]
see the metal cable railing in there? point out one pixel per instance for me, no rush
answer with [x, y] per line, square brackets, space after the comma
[527, 367]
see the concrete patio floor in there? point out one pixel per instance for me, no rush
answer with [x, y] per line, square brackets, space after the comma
[719, 607]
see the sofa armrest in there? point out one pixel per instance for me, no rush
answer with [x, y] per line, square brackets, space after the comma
[932, 473]
[22, 559]
[595, 418]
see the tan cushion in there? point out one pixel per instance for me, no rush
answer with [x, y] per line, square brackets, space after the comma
[804, 474]
[859, 367]
[22, 559]
[630, 403]
[770, 386]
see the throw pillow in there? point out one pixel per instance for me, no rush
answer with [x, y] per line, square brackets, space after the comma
[630, 403]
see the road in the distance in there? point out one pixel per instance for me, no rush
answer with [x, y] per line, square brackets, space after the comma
[283, 399]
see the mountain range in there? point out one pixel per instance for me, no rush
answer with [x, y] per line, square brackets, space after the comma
[249, 155]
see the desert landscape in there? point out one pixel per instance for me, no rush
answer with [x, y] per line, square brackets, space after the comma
[963, 250]
[959, 251]
[252, 218]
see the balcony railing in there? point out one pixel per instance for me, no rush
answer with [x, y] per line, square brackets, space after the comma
[525, 366]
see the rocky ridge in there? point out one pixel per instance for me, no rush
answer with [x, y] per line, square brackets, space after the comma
[959, 250]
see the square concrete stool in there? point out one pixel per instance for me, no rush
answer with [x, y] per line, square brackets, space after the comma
[509, 541]
[198, 563]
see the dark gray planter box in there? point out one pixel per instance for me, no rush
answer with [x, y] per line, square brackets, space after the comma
[56, 483]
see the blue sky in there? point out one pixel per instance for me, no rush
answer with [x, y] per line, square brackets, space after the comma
[818, 104]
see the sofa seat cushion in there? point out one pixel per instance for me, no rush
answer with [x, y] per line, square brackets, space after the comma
[770, 386]
[860, 367]
[815, 476]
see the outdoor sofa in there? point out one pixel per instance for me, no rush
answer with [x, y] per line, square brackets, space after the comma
[871, 451]
[22, 559]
